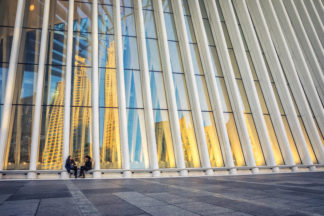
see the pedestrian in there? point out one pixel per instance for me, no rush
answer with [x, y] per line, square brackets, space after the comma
[87, 166]
[71, 165]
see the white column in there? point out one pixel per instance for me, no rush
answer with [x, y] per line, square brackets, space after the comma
[121, 90]
[307, 49]
[316, 21]
[192, 86]
[39, 94]
[11, 78]
[146, 89]
[206, 61]
[264, 80]
[265, 31]
[67, 93]
[95, 92]
[320, 9]
[248, 81]
[282, 48]
[305, 78]
[230, 81]
[169, 86]
[310, 30]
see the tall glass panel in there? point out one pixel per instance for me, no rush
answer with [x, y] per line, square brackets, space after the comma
[253, 135]
[137, 140]
[187, 131]
[110, 149]
[160, 108]
[236, 148]
[81, 111]
[17, 155]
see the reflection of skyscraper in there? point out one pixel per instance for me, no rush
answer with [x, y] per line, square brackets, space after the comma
[164, 145]
[80, 139]
[190, 149]
[52, 154]
[110, 152]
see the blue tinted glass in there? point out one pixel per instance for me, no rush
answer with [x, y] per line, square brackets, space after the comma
[82, 17]
[149, 24]
[3, 80]
[25, 87]
[133, 89]
[128, 21]
[157, 91]
[196, 59]
[107, 51]
[29, 48]
[190, 30]
[54, 86]
[130, 55]
[170, 26]
[137, 144]
[203, 93]
[57, 48]
[105, 19]
[82, 49]
[153, 55]
[6, 35]
[175, 57]
[181, 92]
[126, 3]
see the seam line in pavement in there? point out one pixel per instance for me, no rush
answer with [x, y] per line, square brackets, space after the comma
[84, 205]
[254, 202]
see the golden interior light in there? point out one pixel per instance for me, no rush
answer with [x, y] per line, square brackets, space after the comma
[32, 7]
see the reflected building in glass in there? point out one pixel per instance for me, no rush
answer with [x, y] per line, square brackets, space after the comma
[161, 87]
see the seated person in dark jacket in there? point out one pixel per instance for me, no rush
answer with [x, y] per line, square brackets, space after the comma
[71, 165]
[87, 166]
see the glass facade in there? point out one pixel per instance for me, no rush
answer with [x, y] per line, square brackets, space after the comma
[121, 66]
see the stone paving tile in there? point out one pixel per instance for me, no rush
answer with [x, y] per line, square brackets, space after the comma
[124, 209]
[4, 197]
[139, 200]
[167, 210]
[202, 208]
[169, 198]
[23, 196]
[58, 206]
[104, 199]
[19, 208]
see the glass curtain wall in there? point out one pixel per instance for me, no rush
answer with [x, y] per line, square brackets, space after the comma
[236, 147]
[52, 123]
[215, 154]
[137, 140]
[163, 135]
[292, 143]
[8, 10]
[20, 131]
[81, 110]
[110, 150]
[254, 139]
[188, 137]
[272, 135]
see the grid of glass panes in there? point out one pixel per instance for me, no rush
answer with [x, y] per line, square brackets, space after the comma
[214, 149]
[272, 135]
[253, 134]
[165, 152]
[110, 149]
[289, 134]
[188, 136]
[137, 140]
[236, 148]
[19, 139]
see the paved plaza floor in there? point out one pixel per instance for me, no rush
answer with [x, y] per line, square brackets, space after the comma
[271, 194]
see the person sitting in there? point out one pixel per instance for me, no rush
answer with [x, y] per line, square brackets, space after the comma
[71, 165]
[87, 166]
